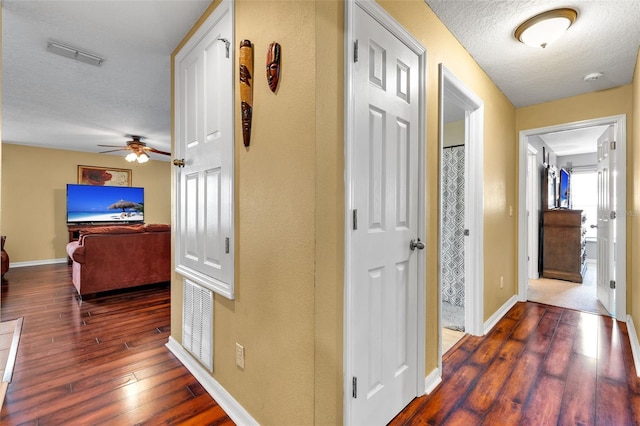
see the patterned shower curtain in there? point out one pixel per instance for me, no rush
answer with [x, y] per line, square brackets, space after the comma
[453, 226]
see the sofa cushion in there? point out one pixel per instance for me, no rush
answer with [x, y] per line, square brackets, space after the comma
[158, 227]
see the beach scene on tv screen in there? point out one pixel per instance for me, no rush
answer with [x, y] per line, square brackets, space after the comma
[88, 203]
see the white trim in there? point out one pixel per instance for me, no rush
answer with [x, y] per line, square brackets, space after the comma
[432, 380]
[497, 315]
[387, 21]
[635, 345]
[533, 194]
[620, 124]
[38, 262]
[466, 99]
[224, 399]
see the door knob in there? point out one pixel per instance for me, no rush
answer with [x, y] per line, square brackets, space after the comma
[416, 245]
[593, 226]
[178, 163]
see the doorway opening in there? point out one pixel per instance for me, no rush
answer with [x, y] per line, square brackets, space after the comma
[461, 219]
[575, 150]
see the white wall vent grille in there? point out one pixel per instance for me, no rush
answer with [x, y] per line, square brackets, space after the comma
[197, 322]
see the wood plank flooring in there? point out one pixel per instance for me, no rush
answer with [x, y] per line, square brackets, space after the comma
[99, 361]
[540, 365]
[103, 361]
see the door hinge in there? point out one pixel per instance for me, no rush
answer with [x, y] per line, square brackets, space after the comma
[355, 51]
[612, 284]
[354, 386]
[355, 219]
[612, 214]
[226, 45]
[613, 146]
[226, 245]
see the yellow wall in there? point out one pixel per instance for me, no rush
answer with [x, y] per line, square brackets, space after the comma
[633, 203]
[499, 162]
[290, 210]
[273, 314]
[34, 196]
[605, 103]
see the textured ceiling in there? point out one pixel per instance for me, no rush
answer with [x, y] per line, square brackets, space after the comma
[48, 100]
[605, 38]
[52, 101]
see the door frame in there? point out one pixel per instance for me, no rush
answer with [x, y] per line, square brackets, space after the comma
[533, 196]
[620, 128]
[455, 90]
[390, 24]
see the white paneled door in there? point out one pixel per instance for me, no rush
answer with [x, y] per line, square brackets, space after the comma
[384, 241]
[606, 220]
[204, 140]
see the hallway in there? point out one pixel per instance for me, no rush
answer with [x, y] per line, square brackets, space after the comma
[540, 365]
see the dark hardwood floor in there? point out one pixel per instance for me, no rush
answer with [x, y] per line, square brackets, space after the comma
[540, 365]
[103, 361]
[99, 361]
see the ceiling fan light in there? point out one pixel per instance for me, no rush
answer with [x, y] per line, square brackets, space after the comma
[544, 29]
[143, 158]
[131, 157]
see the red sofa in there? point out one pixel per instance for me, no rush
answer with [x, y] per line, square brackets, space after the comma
[4, 256]
[116, 257]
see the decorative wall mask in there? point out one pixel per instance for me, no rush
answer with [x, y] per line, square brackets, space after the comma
[246, 88]
[273, 66]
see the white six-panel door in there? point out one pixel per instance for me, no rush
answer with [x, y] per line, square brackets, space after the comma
[606, 223]
[204, 140]
[385, 182]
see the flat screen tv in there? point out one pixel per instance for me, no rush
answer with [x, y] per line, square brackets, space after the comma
[565, 189]
[96, 204]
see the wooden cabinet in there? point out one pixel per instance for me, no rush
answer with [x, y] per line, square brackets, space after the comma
[564, 245]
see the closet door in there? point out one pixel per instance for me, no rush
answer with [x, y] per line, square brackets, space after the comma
[204, 142]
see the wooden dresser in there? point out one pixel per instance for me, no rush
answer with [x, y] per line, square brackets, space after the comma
[563, 245]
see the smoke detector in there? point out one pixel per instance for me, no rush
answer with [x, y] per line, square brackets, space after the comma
[593, 76]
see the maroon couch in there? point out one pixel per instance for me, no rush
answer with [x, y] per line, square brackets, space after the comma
[115, 257]
[4, 256]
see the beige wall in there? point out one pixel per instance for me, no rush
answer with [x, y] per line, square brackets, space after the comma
[273, 314]
[605, 103]
[499, 162]
[633, 203]
[290, 210]
[34, 196]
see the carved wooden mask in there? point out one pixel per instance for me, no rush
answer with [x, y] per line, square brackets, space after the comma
[273, 66]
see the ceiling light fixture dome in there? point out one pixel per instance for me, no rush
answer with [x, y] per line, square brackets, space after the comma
[545, 28]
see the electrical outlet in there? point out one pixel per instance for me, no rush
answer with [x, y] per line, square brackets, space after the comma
[239, 355]
[501, 282]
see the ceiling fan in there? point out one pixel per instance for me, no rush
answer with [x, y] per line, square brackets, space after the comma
[138, 150]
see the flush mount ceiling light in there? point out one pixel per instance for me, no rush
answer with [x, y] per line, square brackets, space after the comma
[593, 76]
[545, 28]
[73, 53]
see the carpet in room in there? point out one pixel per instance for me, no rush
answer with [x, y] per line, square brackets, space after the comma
[566, 294]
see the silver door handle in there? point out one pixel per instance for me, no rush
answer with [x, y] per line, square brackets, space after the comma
[416, 245]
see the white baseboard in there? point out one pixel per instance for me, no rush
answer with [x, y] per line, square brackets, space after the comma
[497, 316]
[432, 381]
[635, 346]
[37, 262]
[228, 403]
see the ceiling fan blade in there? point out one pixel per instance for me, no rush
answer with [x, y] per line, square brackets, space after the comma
[112, 146]
[148, 148]
[113, 150]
